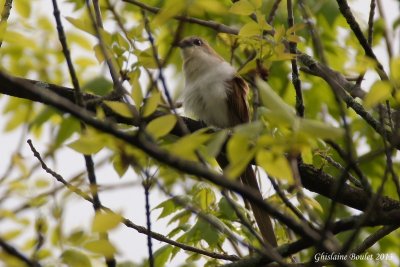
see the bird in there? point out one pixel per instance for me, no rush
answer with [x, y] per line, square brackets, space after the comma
[217, 95]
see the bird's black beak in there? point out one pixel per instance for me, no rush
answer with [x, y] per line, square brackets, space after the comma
[184, 43]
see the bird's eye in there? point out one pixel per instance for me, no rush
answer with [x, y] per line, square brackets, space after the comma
[197, 42]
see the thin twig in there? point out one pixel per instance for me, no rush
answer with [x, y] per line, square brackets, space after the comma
[295, 72]
[5, 14]
[370, 34]
[110, 261]
[273, 11]
[315, 37]
[118, 87]
[388, 41]
[97, 11]
[242, 218]
[17, 254]
[372, 239]
[126, 222]
[209, 24]
[210, 220]
[338, 166]
[348, 15]
[146, 185]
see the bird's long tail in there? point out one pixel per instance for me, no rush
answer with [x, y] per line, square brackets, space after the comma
[262, 218]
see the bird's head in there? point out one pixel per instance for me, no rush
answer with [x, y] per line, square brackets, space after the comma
[196, 47]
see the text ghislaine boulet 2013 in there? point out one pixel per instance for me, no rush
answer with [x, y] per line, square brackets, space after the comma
[323, 256]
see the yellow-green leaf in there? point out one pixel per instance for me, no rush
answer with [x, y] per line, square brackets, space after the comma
[151, 103]
[293, 38]
[88, 145]
[186, 146]
[120, 108]
[275, 165]
[23, 7]
[311, 202]
[237, 147]
[82, 24]
[215, 144]
[75, 258]
[146, 59]
[205, 197]
[295, 28]
[275, 104]
[136, 94]
[251, 28]
[234, 169]
[161, 126]
[103, 247]
[256, 3]
[102, 222]
[395, 69]
[79, 39]
[319, 130]
[380, 91]
[170, 9]
[242, 7]
[239, 155]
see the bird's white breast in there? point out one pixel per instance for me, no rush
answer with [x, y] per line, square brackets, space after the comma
[206, 92]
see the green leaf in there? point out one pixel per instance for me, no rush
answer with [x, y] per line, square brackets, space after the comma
[295, 28]
[318, 129]
[169, 206]
[67, 127]
[237, 147]
[151, 103]
[82, 24]
[275, 165]
[161, 126]
[205, 197]
[103, 247]
[146, 59]
[162, 255]
[11, 234]
[186, 146]
[251, 28]
[395, 69]
[120, 108]
[226, 210]
[218, 139]
[278, 111]
[208, 232]
[136, 94]
[120, 165]
[75, 258]
[103, 222]
[239, 155]
[79, 39]
[256, 3]
[380, 91]
[23, 7]
[170, 9]
[99, 86]
[88, 144]
[242, 7]
[311, 202]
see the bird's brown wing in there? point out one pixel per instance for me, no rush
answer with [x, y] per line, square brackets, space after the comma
[237, 103]
[239, 113]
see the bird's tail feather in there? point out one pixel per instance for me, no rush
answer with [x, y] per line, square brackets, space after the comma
[262, 218]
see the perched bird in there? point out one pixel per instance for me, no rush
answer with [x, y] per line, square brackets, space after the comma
[216, 95]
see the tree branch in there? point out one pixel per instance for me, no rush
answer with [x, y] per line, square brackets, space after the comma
[209, 24]
[312, 179]
[17, 254]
